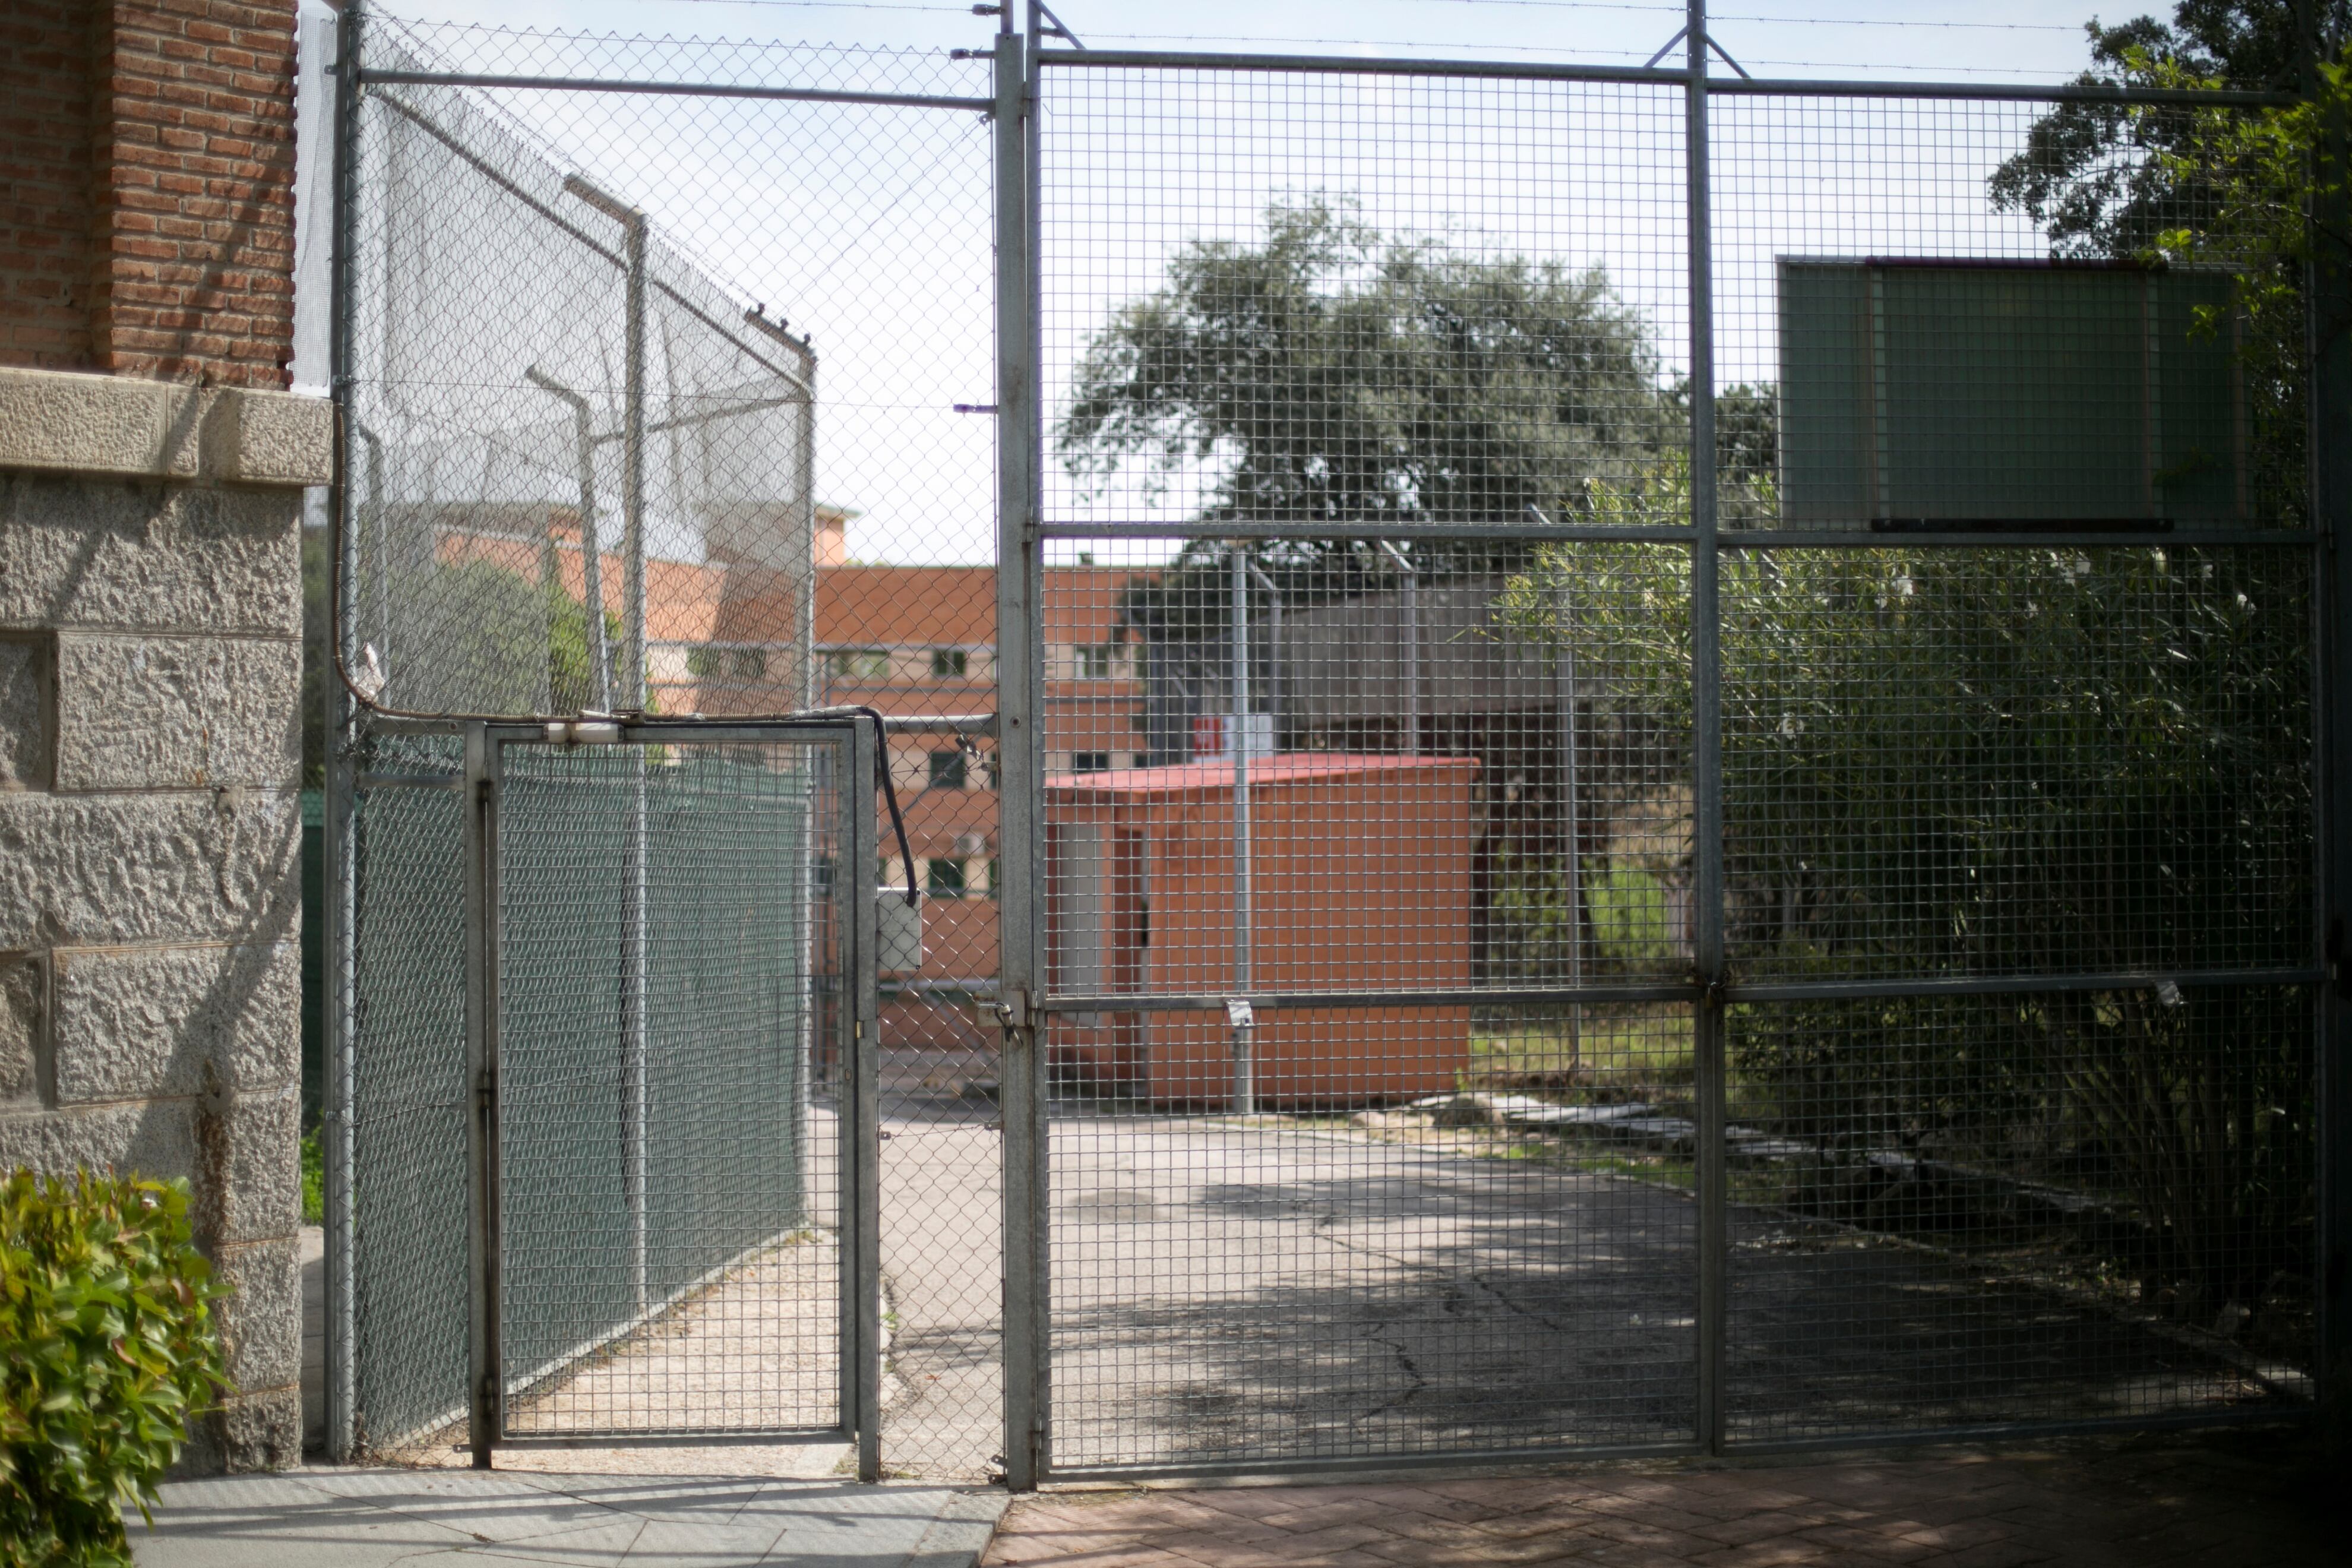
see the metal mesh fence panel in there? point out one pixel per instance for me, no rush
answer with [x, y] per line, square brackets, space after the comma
[2017, 761]
[1368, 1270]
[681, 405]
[669, 1217]
[1350, 756]
[1518, 976]
[2005, 1209]
[408, 1100]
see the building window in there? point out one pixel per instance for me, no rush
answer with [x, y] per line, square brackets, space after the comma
[943, 879]
[947, 663]
[1097, 663]
[726, 663]
[859, 663]
[1090, 762]
[947, 770]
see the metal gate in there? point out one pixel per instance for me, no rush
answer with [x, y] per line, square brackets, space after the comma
[1647, 920]
[676, 1142]
[1641, 765]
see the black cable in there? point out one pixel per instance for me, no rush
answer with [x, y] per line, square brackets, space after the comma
[890, 794]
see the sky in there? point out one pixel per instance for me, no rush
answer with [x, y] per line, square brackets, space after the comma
[868, 228]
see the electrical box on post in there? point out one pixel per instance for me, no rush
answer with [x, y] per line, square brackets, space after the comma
[898, 922]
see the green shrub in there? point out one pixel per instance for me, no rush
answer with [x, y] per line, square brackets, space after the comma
[108, 1349]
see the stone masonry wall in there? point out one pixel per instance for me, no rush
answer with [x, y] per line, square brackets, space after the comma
[151, 826]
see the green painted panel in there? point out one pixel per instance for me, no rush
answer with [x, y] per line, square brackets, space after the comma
[1912, 391]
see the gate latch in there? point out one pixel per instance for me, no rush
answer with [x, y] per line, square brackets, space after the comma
[1009, 1011]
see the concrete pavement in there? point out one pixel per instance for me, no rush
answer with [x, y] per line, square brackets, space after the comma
[376, 1517]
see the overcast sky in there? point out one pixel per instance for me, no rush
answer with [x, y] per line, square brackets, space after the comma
[869, 228]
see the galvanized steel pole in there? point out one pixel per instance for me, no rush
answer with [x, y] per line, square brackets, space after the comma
[341, 870]
[485, 1378]
[1020, 1077]
[634, 938]
[1706, 758]
[2328, 301]
[870, 752]
[1245, 1026]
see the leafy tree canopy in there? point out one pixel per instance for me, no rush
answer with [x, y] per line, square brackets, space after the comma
[1327, 375]
[2107, 179]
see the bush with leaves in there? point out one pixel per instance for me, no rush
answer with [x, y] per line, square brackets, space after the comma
[109, 1348]
[1943, 761]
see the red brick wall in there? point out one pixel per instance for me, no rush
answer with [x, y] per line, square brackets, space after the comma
[45, 182]
[173, 121]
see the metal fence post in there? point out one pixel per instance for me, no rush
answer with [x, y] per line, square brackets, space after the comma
[1020, 1077]
[484, 1376]
[1706, 757]
[339, 872]
[2329, 323]
[870, 753]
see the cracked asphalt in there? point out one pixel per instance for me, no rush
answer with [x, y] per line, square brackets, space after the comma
[1236, 1291]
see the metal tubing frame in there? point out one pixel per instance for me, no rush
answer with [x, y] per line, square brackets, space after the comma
[1641, 75]
[862, 1194]
[1707, 765]
[2009, 538]
[339, 830]
[1237, 727]
[671, 89]
[1020, 761]
[859, 747]
[485, 1373]
[2328, 304]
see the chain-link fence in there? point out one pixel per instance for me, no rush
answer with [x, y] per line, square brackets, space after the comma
[1599, 760]
[637, 422]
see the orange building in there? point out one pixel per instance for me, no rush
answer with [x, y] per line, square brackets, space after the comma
[1359, 880]
[918, 644]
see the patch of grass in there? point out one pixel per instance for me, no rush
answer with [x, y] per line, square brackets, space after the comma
[1598, 1054]
[1627, 907]
[314, 1177]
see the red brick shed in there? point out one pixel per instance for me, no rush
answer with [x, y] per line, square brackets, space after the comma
[1360, 881]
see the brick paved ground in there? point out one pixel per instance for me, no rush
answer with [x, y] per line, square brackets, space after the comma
[2138, 1505]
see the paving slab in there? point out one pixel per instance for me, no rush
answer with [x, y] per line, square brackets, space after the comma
[336, 1518]
[2213, 1504]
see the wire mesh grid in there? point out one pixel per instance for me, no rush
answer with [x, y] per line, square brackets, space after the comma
[1386, 740]
[1342, 721]
[681, 405]
[2007, 1209]
[2092, 291]
[1310, 376]
[1364, 1269]
[2020, 760]
[669, 1224]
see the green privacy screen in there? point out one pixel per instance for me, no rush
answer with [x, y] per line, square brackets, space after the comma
[1970, 392]
[629, 1182]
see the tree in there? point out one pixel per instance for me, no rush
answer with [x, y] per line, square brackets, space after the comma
[2210, 188]
[1942, 762]
[1325, 375]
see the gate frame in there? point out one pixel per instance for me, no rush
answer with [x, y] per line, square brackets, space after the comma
[1020, 57]
[1711, 987]
[854, 739]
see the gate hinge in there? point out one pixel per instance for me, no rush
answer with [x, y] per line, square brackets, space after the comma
[1009, 1011]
